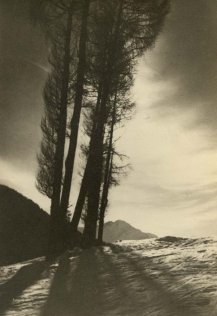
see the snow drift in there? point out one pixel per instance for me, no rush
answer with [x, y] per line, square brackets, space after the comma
[154, 277]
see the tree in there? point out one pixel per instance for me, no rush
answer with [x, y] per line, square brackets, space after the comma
[57, 96]
[129, 32]
[121, 110]
[109, 37]
[49, 127]
[78, 98]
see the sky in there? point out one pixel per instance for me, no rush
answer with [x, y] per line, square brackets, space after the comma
[171, 141]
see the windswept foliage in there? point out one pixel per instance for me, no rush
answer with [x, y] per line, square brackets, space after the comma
[95, 45]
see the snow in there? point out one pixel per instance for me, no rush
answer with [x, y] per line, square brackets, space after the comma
[155, 277]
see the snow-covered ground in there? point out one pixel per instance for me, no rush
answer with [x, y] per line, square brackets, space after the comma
[157, 277]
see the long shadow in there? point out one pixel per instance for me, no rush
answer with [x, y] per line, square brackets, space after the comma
[24, 278]
[184, 305]
[123, 299]
[75, 288]
[100, 283]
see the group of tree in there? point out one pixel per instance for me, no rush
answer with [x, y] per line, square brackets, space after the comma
[94, 46]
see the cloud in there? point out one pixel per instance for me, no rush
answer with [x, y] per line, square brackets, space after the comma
[186, 56]
[23, 182]
[23, 59]
[171, 141]
[174, 152]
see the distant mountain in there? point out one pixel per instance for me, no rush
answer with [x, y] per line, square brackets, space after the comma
[121, 230]
[23, 227]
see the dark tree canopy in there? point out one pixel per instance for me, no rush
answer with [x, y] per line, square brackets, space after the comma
[95, 45]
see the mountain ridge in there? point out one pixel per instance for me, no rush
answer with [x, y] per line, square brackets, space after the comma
[121, 230]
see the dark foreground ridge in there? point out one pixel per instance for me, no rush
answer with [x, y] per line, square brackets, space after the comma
[23, 227]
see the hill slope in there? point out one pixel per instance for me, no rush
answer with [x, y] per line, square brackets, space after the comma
[121, 230]
[23, 227]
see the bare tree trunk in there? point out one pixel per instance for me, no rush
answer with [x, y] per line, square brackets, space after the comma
[94, 193]
[86, 177]
[69, 165]
[80, 202]
[107, 176]
[104, 201]
[95, 169]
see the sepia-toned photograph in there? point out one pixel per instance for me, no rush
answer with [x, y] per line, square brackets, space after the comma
[108, 158]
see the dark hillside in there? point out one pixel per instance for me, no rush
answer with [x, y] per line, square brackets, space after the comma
[23, 227]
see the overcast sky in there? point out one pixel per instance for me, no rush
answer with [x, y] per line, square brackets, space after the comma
[171, 141]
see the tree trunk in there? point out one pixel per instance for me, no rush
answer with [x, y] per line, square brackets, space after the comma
[95, 170]
[107, 176]
[94, 193]
[86, 177]
[80, 202]
[69, 165]
[104, 202]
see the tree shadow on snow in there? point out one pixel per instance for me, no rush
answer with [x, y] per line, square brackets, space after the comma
[75, 289]
[108, 281]
[24, 278]
[170, 293]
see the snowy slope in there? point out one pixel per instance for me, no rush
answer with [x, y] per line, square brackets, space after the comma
[155, 277]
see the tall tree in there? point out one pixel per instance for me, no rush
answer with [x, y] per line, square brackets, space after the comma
[59, 155]
[74, 126]
[112, 30]
[134, 29]
[57, 95]
[49, 127]
[121, 110]
[110, 36]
